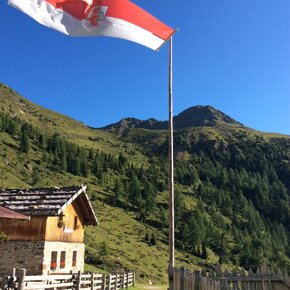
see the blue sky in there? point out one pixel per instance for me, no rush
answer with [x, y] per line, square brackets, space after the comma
[233, 55]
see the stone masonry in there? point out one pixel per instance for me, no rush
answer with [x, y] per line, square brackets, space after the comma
[36, 256]
[14, 254]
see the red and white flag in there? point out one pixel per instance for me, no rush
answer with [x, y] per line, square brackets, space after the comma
[115, 18]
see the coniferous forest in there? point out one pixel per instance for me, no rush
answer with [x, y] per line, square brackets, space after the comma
[232, 184]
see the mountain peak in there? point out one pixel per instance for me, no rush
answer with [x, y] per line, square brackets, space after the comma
[196, 116]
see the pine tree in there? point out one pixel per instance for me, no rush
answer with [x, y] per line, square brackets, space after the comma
[135, 196]
[24, 143]
[146, 237]
[35, 176]
[93, 196]
[104, 250]
[163, 216]
[42, 141]
[153, 240]
[149, 196]
[204, 254]
[119, 189]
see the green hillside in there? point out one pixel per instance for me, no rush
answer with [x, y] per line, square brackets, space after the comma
[232, 185]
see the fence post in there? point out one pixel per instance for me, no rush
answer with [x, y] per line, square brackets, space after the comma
[13, 272]
[116, 281]
[123, 280]
[4, 283]
[127, 274]
[197, 280]
[92, 280]
[109, 282]
[12, 279]
[21, 279]
[104, 282]
[223, 283]
[182, 278]
[78, 281]
[170, 277]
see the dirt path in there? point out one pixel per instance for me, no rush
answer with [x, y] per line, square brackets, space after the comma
[152, 287]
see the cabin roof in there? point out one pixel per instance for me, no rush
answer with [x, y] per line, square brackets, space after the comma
[11, 214]
[48, 201]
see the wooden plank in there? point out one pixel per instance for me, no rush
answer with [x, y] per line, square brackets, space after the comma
[86, 282]
[86, 276]
[224, 284]
[48, 286]
[218, 270]
[78, 280]
[109, 282]
[116, 282]
[197, 280]
[21, 279]
[244, 279]
[92, 281]
[48, 277]
[127, 280]
[182, 278]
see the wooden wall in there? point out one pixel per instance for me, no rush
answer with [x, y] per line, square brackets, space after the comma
[68, 232]
[24, 230]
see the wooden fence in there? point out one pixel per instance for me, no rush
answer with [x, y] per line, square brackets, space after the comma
[263, 279]
[78, 281]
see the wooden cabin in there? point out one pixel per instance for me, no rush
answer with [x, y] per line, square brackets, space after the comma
[52, 240]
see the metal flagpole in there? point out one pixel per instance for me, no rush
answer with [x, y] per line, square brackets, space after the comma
[171, 173]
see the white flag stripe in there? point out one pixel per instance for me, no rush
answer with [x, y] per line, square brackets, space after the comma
[48, 15]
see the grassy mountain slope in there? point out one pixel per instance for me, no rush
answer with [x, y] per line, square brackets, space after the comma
[230, 182]
[119, 228]
[50, 122]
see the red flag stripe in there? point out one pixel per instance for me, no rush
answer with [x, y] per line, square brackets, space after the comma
[122, 9]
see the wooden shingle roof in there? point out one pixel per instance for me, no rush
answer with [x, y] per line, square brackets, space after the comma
[47, 201]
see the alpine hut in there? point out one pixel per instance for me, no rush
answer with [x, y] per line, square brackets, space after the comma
[52, 239]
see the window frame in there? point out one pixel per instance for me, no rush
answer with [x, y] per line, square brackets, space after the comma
[62, 259]
[53, 260]
[74, 258]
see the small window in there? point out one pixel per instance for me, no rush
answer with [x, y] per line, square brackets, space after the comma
[60, 222]
[53, 263]
[62, 259]
[76, 226]
[74, 258]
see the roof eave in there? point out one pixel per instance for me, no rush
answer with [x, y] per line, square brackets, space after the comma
[68, 202]
[95, 221]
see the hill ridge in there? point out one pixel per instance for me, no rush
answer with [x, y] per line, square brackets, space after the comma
[195, 116]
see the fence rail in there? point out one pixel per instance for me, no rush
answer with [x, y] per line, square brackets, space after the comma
[263, 279]
[77, 281]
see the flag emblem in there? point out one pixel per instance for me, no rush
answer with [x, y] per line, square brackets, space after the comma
[96, 16]
[113, 18]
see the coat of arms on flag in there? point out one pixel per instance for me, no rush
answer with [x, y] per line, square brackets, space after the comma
[96, 15]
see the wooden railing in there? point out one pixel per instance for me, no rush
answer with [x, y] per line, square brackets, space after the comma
[263, 279]
[78, 281]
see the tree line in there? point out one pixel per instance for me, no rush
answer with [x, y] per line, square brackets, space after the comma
[240, 190]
